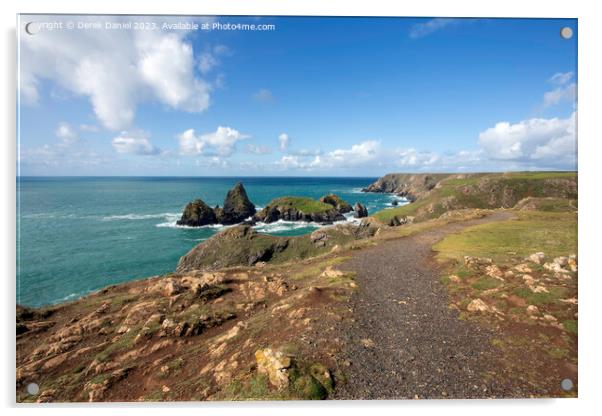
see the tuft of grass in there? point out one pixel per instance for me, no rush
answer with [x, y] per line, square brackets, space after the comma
[570, 325]
[308, 388]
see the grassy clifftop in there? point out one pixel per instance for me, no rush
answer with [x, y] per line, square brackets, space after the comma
[493, 190]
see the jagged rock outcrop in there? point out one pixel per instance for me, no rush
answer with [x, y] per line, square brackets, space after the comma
[197, 213]
[336, 201]
[360, 210]
[237, 206]
[299, 209]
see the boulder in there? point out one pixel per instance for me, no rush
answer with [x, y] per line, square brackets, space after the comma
[319, 238]
[361, 211]
[237, 205]
[532, 310]
[537, 258]
[197, 213]
[334, 200]
[477, 305]
[275, 365]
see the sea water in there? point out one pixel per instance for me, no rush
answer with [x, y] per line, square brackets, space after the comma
[77, 235]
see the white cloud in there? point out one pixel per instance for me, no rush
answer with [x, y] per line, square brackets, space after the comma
[561, 78]
[366, 154]
[221, 142]
[134, 142]
[551, 141]
[284, 142]
[258, 149]
[306, 152]
[115, 70]
[263, 95]
[209, 58]
[566, 93]
[420, 30]
[207, 62]
[167, 66]
[413, 157]
[66, 134]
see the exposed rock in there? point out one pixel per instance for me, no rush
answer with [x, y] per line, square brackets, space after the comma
[338, 203]
[171, 288]
[197, 213]
[477, 305]
[533, 310]
[495, 272]
[477, 261]
[332, 273]
[360, 211]
[237, 206]
[523, 268]
[319, 238]
[537, 258]
[555, 267]
[411, 186]
[454, 278]
[275, 365]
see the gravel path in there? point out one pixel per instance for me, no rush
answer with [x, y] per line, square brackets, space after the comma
[404, 341]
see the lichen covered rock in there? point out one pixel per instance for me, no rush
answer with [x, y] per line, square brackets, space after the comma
[275, 365]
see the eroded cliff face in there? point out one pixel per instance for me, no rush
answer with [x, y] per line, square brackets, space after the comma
[411, 186]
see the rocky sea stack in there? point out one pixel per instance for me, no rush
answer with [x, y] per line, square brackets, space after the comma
[197, 213]
[360, 211]
[237, 208]
[294, 208]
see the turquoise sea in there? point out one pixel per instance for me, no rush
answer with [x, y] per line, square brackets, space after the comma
[76, 235]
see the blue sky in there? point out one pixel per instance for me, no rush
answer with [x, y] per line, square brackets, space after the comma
[312, 97]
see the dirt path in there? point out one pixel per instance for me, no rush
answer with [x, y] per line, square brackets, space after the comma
[405, 341]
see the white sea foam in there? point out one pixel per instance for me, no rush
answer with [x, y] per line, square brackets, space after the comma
[282, 225]
[171, 221]
[139, 216]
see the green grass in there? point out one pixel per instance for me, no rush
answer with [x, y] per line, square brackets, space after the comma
[486, 283]
[303, 204]
[570, 325]
[482, 191]
[542, 298]
[553, 233]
